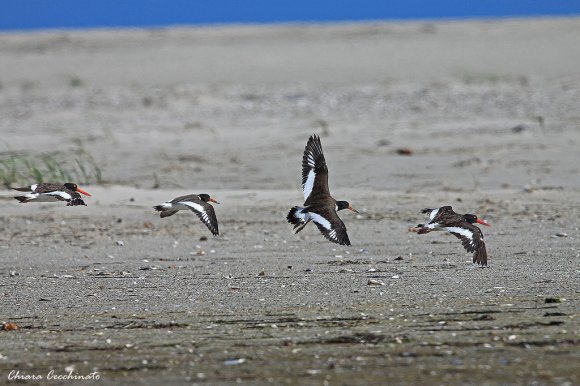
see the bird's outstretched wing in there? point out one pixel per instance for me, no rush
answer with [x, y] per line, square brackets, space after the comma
[472, 239]
[331, 226]
[438, 213]
[314, 171]
[205, 213]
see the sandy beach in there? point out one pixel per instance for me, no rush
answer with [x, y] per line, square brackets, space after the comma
[488, 111]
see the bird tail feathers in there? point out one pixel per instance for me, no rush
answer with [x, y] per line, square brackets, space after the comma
[422, 229]
[165, 210]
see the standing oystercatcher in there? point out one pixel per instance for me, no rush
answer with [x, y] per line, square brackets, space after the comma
[44, 192]
[319, 206]
[460, 226]
[198, 203]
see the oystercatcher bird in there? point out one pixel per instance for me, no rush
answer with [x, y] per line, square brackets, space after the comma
[460, 226]
[198, 203]
[319, 206]
[45, 192]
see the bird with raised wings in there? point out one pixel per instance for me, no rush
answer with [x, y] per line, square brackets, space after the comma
[319, 206]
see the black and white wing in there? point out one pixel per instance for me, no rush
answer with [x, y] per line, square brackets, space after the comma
[472, 239]
[434, 213]
[48, 193]
[75, 200]
[314, 171]
[205, 212]
[29, 188]
[431, 212]
[331, 226]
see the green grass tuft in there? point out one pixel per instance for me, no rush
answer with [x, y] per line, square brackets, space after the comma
[75, 81]
[22, 168]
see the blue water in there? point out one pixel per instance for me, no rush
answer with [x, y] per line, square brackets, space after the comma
[46, 14]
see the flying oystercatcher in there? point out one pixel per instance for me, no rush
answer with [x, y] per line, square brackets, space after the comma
[44, 192]
[460, 226]
[319, 206]
[198, 203]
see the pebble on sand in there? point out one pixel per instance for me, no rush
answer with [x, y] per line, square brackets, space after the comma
[234, 361]
[7, 326]
[404, 151]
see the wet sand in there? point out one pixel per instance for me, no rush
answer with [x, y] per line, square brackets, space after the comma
[491, 119]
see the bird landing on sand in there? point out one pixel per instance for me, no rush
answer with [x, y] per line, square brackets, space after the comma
[319, 206]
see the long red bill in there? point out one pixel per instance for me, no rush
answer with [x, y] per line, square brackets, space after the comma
[479, 221]
[82, 191]
[212, 200]
[353, 209]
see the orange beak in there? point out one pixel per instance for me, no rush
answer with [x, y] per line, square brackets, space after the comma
[82, 191]
[212, 200]
[483, 223]
[353, 209]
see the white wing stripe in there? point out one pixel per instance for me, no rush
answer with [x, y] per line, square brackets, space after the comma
[64, 195]
[41, 197]
[309, 184]
[462, 231]
[433, 214]
[299, 214]
[195, 206]
[321, 220]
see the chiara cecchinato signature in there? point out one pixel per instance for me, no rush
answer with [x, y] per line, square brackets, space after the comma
[16, 375]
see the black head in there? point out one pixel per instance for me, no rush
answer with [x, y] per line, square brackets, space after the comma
[71, 186]
[472, 219]
[340, 205]
[75, 188]
[206, 198]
